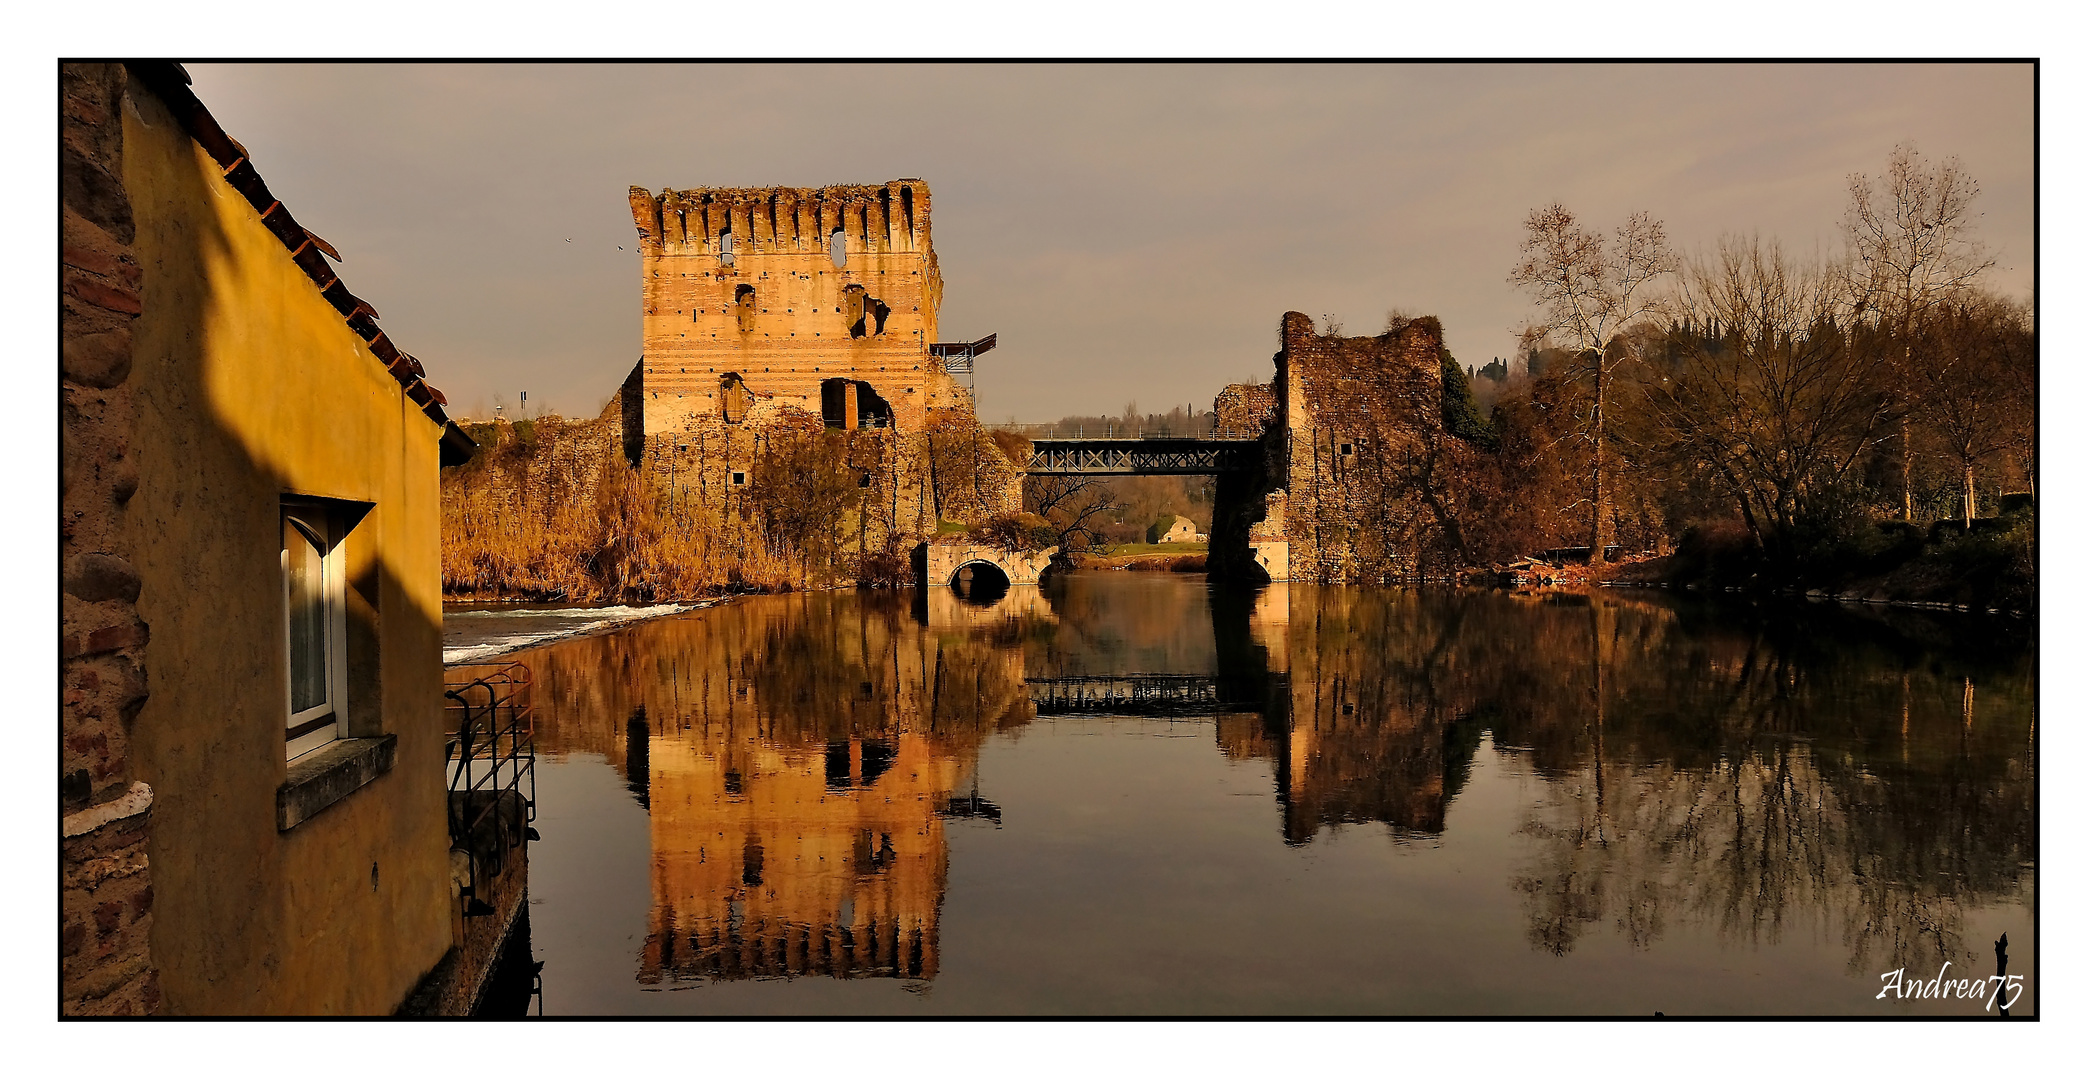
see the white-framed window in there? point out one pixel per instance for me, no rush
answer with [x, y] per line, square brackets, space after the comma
[315, 682]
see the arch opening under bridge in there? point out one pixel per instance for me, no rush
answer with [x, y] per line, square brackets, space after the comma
[980, 581]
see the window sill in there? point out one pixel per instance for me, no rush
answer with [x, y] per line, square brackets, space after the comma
[318, 780]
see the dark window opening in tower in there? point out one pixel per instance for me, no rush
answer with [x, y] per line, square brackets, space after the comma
[837, 247]
[833, 396]
[874, 412]
[837, 765]
[855, 307]
[736, 398]
[746, 307]
[728, 248]
[753, 861]
[875, 759]
[852, 405]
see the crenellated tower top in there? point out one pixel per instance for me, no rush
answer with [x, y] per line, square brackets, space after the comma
[863, 218]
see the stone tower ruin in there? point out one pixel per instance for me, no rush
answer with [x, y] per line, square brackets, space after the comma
[1346, 427]
[759, 299]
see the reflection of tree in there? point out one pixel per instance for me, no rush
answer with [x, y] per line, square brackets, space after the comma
[1768, 771]
[1747, 770]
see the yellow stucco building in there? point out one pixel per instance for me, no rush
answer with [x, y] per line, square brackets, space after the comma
[283, 532]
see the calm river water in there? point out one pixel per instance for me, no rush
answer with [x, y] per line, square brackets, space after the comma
[1139, 793]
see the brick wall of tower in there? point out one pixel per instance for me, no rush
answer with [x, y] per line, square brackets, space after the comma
[743, 281]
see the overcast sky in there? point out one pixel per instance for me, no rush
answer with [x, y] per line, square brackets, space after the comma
[1129, 232]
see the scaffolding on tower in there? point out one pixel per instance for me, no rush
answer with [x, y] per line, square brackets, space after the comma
[959, 358]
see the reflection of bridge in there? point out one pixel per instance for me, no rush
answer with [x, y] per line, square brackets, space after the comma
[1142, 457]
[1135, 695]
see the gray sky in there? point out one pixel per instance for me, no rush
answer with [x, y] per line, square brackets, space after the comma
[1129, 232]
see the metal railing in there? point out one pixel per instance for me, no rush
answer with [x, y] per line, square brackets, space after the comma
[489, 760]
[1141, 457]
[1137, 694]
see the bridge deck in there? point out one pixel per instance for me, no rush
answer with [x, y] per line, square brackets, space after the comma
[1142, 457]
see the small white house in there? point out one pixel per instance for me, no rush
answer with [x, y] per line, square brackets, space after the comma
[1177, 530]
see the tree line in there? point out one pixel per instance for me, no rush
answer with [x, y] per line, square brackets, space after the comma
[1813, 409]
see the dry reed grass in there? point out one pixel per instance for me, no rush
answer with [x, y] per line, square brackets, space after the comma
[551, 510]
[594, 534]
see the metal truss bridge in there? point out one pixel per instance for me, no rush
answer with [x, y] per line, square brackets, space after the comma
[1142, 457]
[1132, 695]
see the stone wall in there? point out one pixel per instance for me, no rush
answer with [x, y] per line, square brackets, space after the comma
[820, 298]
[106, 884]
[1353, 439]
[1246, 410]
[945, 557]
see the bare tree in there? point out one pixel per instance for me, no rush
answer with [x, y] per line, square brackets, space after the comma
[1913, 250]
[1767, 394]
[1075, 506]
[1971, 366]
[1592, 289]
[801, 487]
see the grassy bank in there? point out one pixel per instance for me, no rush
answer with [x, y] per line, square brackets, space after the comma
[1159, 558]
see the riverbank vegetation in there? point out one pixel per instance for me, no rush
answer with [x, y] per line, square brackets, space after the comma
[553, 510]
[1858, 424]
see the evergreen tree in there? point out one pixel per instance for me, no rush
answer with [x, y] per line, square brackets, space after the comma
[1460, 414]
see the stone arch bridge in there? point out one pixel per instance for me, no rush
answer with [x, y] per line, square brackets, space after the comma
[1238, 463]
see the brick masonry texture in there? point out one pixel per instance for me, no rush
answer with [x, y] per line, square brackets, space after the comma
[106, 884]
[764, 297]
[768, 316]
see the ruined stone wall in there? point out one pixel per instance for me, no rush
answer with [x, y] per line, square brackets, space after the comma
[625, 407]
[946, 555]
[707, 464]
[1246, 410]
[1360, 414]
[1246, 538]
[106, 886]
[1352, 436]
[820, 298]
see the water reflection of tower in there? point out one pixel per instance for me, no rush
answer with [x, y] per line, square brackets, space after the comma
[777, 861]
[1356, 729]
[796, 830]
